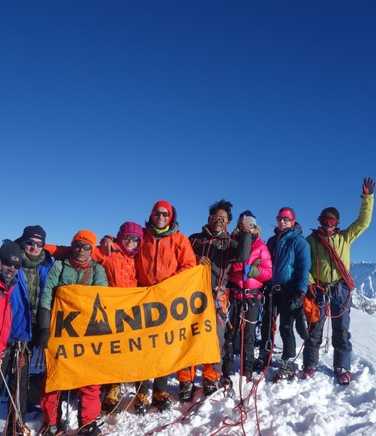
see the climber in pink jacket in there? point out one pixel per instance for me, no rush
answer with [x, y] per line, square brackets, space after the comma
[245, 283]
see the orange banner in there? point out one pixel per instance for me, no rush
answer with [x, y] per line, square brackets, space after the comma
[101, 335]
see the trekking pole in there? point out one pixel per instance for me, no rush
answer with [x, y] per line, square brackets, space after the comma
[328, 316]
[270, 342]
[16, 411]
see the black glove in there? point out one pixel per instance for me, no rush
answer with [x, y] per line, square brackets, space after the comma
[296, 301]
[44, 318]
[42, 338]
[368, 186]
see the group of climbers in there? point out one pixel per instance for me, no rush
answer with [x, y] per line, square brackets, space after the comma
[303, 281]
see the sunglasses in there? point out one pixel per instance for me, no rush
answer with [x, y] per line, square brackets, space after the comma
[84, 247]
[32, 243]
[284, 219]
[11, 263]
[160, 213]
[131, 238]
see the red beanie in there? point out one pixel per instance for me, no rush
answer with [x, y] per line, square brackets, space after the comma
[167, 205]
[130, 229]
[287, 212]
[86, 236]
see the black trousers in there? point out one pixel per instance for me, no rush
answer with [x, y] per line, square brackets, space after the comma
[249, 309]
[279, 303]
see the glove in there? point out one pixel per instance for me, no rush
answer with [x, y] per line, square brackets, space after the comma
[106, 244]
[368, 186]
[253, 270]
[296, 302]
[42, 338]
[43, 318]
[205, 261]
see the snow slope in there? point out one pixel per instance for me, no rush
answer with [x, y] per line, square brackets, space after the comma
[311, 407]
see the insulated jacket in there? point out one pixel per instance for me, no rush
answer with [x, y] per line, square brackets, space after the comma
[323, 270]
[259, 252]
[22, 309]
[119, 266]
[222, 251]
[162, 256]
[5, 315]
[63, 273]
[291, 259]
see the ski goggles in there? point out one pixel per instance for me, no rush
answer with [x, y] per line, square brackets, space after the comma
[328, 221]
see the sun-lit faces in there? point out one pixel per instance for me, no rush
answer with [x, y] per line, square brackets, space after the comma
[33, 246]
[160, 217]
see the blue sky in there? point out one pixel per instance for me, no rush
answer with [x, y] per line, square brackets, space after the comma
[106, 107]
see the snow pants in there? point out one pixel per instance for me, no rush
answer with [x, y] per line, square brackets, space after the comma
[210, 371]
[250, 308]
[339, 297]
[279, 302]
[90, 405]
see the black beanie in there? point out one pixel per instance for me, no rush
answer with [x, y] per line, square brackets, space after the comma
[329, 211]
[33, 232]
[11, 253]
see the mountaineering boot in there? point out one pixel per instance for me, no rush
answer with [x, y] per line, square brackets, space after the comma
[112, 398]
[161, 400]
[141, 403]
[261, 362]
[50, 430]
[259, 365]
[226, 383]
[248, 374]
[343, 376]
[91, 429]
[209, 386]
[308, 372]
[287, 370]
[186, 391]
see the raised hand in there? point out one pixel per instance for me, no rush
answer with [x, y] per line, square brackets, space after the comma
[368, 186]
[106, 245]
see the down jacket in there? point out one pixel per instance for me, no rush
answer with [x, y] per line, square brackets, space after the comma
[162, 256]
[291, 259]
[259, 252]
[21, 307]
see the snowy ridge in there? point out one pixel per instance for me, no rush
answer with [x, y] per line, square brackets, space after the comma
[364, 274]
[364, 296]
